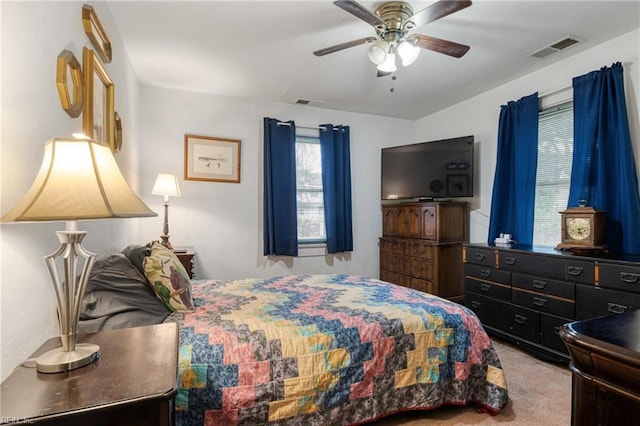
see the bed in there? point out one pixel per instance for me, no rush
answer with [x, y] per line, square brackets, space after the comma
[305, 349]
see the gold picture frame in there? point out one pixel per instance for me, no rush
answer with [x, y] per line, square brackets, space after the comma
[69, 83]
[98, 118]
[118, 132]
[211, 159]
[94, 30]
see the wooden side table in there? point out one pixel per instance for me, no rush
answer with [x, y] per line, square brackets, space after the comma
[134, 382]
[605, 361]
[186, 255]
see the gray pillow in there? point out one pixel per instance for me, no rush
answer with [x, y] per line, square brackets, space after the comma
[136, 254]
[118, 296]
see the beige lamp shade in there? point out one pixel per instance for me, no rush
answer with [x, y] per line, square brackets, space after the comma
[79, 179]
[166, 184]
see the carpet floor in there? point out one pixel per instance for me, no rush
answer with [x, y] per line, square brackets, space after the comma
[539, 395]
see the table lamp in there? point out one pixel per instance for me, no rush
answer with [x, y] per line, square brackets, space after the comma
[79, 179]
[167, 186]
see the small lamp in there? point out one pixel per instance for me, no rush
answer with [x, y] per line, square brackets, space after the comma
[78, 180]
[167, 186]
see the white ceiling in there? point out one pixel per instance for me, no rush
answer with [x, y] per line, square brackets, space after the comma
[262, 50]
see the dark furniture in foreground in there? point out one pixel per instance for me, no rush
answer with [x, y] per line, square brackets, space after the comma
[524, 294]
[605, 361]
[132, 383]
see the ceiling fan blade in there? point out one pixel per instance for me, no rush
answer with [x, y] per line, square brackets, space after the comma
[341, 46]
[447, 47]
[361, 12]
[437, 11]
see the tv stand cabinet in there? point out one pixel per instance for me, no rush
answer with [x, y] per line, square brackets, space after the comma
[525, 294]
[421, 246]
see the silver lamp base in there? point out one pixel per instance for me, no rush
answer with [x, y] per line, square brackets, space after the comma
[58, 361]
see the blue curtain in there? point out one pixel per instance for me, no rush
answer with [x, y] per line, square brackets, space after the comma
[280, 215]
[336, 187]
[514, 183]
[604, 170]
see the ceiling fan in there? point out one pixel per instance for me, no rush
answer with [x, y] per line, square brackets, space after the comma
[392, 21]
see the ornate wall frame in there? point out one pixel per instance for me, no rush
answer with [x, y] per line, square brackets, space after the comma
[69, 82]
[98, 118]
[93, 28]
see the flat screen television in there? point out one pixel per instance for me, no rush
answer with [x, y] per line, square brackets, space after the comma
[428, 170]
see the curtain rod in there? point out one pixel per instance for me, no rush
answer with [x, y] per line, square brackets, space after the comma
[324, 129]
[553, 92]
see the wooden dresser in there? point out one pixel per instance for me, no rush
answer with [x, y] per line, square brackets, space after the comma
[421, 246]
[524, 294]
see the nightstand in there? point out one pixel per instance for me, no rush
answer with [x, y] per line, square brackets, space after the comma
[186, 255]
[134, 382]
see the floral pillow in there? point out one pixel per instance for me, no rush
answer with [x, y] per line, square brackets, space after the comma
[168, 278]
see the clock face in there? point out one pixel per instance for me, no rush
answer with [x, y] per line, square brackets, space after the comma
[578, 228]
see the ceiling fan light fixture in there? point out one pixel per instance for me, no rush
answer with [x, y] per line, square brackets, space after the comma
[408, 52]
[389, 65]
[378, 52]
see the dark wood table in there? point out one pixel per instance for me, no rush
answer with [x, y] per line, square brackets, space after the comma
[132, 383]
[605, 361]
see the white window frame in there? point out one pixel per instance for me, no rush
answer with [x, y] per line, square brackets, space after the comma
[310, 247]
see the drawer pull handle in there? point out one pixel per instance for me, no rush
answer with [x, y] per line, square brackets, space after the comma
[485, 273]
[485, 287]
[628, 277]
[520, 319]
[614, 308]
[509, 260]
[475, 304]
[539, 284]
[575, 270]
[478, 256]
[539, 301]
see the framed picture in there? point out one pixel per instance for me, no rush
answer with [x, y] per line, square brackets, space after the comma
[69, 83]
[211, 159]
[95, 32]
[98, 118]
[118, 132]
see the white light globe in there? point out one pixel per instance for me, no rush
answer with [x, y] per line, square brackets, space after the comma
[378, 52]
[389, 65]
[408, 52]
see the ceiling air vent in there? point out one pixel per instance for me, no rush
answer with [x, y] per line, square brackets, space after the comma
[308, 102]
[556, 47]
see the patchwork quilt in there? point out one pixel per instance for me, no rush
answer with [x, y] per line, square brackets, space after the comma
[327, 350]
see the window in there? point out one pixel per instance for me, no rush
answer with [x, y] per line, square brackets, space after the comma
[311, 227]
[555, 154]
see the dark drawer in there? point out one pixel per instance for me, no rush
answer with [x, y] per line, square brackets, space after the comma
[545, 285]
[489, 274]
[481, 256]
[544, 303]
[580, 271]
[419, 249]
[418, 268]
[592, 302]
[524, 323]
[621, 277]
[392, 246]
[488, 289]
[549, 332]
[490, 311]
[538, 265]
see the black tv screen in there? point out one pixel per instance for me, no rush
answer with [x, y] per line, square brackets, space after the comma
[428, 170]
